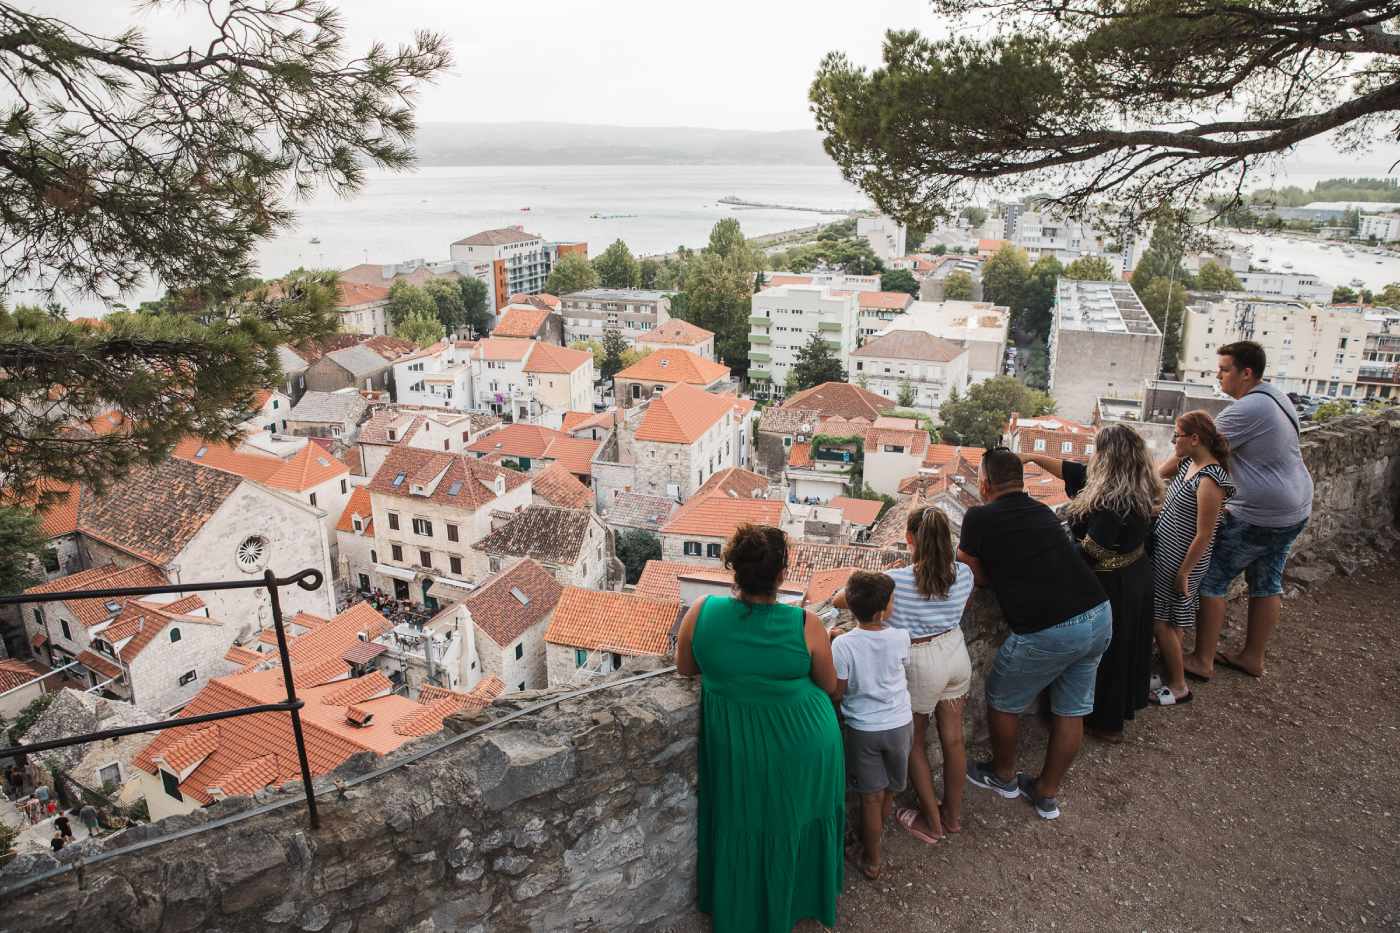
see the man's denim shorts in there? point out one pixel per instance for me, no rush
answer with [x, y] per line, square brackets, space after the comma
[1064, 657]
[1258, 551]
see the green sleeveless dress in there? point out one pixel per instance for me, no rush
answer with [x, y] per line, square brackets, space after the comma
[772, 774]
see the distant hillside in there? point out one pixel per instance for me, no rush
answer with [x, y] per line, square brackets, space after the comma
[571, 144]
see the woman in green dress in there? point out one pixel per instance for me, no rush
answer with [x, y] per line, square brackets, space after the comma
[772, 775]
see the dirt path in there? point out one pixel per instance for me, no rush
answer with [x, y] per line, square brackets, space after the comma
[1269, 805]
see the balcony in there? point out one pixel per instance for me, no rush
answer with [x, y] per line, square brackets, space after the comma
[758, 357]
[1378, 372]
[829, 326]
[757, 321]
[760, 375]
[763, 339]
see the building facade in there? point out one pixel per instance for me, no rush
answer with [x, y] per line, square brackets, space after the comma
[632, 312]
[784, 318]
[914, 364]
[1102, 343]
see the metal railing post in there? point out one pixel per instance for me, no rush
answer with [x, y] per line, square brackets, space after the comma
[271, 580]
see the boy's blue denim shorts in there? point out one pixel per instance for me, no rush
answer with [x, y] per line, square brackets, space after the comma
[1260, 552]
[1064, 657]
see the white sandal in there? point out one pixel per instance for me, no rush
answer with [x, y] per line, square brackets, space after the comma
[1163, 696]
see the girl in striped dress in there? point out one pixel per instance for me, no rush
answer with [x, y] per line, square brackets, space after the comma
[1185, 532]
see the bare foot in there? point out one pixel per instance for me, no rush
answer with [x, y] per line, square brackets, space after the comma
[1237, 662]
[951, 821]
[856, 856]
[1192, 666]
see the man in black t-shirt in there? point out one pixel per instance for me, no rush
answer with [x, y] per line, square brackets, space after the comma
[1060, 627]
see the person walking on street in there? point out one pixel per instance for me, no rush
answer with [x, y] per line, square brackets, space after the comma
[63, 826]
[1060, 622]
[1270, 508]
[88, 814]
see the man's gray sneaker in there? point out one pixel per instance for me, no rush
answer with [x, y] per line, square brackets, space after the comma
[981, 774]
[1047, 808]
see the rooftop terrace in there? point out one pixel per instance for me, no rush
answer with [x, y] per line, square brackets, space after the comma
[1102, 307]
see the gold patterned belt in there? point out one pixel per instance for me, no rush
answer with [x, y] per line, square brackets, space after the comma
[1106, 561]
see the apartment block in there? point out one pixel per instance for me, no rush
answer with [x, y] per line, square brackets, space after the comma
[929, 367]
[1311, 348]
[1382, 227]
[785, 317]
[510, 261]
[980, 326]
[631, 312]
[1102, 343]
[1285, 285]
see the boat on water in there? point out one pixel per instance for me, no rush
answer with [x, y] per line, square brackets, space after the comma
[523, 209]
[1288, 266]
[315, 240]
[610, 216]
[1357, 283]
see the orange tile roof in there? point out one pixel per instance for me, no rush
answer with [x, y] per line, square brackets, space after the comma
[351, 294]
[190, 748]
[548, 358]
[141, 622]
[516, 440]
[840, 399]
[250, 778]
[237, 654]
[990, 246]
[538, 300]
[499, 615]
[316, 673]
[16, 673]
[557, 486]
[471, 479]
[90, 612]
[332, 638]
[622, 623]
[153, 512]
[682, 414]
[676, 331]
[109, 422]
[736, 480]
[359, 690]
[359, 504]
[825, 583]
[886, 301]
[674, 365]
[307, 468]
[805, 559]
[575, 421]
[787, 279]
[857, 511]
[941, 455]
[800, 455]
[497, 348]
[426, 719]
[1044, 487]
[660, 579]
[520, 322]
[60, 516]
[575, 454]
[718, 516]
[478, 698]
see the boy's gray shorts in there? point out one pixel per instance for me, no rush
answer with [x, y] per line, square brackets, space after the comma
[877, 761]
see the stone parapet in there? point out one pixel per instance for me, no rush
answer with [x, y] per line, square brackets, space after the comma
[576, 816]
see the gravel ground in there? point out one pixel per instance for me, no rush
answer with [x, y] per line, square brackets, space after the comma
[1268, 805]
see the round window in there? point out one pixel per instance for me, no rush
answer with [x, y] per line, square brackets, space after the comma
[252, 554]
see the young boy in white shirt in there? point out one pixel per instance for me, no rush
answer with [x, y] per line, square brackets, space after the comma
[874, 693]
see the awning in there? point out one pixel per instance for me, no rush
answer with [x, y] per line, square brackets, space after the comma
[398, 573]
[453, 591]
[363, 652]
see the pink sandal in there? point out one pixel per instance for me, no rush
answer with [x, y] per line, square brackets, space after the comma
[906, 817]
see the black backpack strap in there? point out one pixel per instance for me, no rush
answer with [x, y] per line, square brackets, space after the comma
[1271, 397]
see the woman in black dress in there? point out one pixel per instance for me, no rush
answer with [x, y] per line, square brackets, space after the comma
[1112, 501]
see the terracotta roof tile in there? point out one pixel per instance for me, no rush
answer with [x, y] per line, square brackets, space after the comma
[536, 300]
[682, 414]
[800, 455]
[735, 482]
[359, 504]
[634, 510]
[153, 512]
[718, 516]
[911, 345]
[575, 454]
[520, 322]
[840, 399]
[140, 623]
[557, 486]
[824, 584]
[363, 653]
[60, 516]
[15, 673]
[352, 294]
[502, 236]
[316, 673]
[307, 468]
[359, 690]
[500, 614]
[886, 301]
[249, 778]
[478, 698]
[191, 747]
[858, 511]
[466, 483]
[674, 365]
[548, 358]
[622, 623]
[496, 348]
[541, 532]
[660, 579]
[806, 559]
[575, 421]
[90, 612]
[237, 654]
[517, 440]
[426, 719]
[676, 331]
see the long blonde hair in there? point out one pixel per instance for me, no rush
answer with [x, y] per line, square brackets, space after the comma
[1121, 477]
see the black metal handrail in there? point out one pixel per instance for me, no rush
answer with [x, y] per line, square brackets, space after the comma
[309, 580]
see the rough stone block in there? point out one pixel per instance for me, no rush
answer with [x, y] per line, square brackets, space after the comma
[516, 765]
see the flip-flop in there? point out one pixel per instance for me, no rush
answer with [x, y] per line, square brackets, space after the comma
[1165, 697]
[1232, 664]
[1197, 678]
[906, 816]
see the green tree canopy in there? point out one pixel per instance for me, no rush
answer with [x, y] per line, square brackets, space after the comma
[1139, 103]
[636, 546]
[572, 273]
[1037, 298]
[1162, 258]
[421, 327]
[1091, 269]
[475, 315]
[614, 348]
[407, 300]
[1215, 277]
[899, 280]
[649, 269]
[906, 393]
[975, 216]
[718, 291]
[1165, 301]
[979, 418]
[1342, 295]
[816, 363]
[959, 286]
[1390, 296]
[22, 547]
[726, 238]
[190, 367]
[617, 267]
[117, 163]
[447, 296]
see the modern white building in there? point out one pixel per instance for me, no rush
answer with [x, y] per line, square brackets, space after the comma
[1102, 343]
[784, 318]
[632, 312]
[529, 380]
[1311, 348]
[439, 376]
[885, 235]
[1382, 227]
[509, 260]
[1285, 285]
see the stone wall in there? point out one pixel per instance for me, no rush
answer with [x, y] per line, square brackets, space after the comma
[579, 816]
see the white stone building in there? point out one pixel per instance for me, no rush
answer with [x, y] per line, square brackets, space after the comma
[509, 614]
[363, 309]
[509, 260]
[1300, 285]
[980, 326]
[1102, 343]
[928, 367]
[572, 544]
[437, 376]
[682, 437]
[784, 318]
[632, 312]
[1382, 227]
[678, 334]
[886, 236]
[592, 633]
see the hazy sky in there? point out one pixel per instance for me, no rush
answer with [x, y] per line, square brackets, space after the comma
[726, 64]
